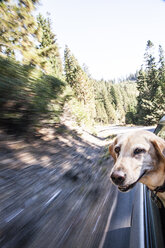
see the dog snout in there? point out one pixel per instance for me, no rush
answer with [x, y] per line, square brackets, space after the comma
[118, 177]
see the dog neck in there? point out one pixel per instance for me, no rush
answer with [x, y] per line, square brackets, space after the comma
[160, 189]
[158, 196]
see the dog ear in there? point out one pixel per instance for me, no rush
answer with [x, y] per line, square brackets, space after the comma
[159, 145]
[111, 149]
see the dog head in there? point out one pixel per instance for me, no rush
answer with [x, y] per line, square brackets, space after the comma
[138, 156]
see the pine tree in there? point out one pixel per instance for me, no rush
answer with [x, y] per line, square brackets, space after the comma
[70, 67]
[150, 83]
[160, 93]
[120, 99]
[114, 96]
[103, 102]
[147, 84]
[108, 106]
[48, 48]
[81, 84]
[76, 77]
[101, 115]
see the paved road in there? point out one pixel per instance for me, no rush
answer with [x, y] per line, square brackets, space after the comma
[126, 209]
[113, 130]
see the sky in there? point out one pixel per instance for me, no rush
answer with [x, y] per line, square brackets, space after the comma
[109, 36]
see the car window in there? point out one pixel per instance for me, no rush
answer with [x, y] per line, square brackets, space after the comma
[160, 131]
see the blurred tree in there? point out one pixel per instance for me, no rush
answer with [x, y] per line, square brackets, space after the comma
[86, 70]
[19, 30]
[27, 96]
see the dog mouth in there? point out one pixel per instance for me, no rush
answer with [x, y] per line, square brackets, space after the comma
[127, 187]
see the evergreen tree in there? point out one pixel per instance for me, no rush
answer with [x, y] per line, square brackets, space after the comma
[117, 100]
[103, 103]
[120, 99]
[48, 48]
[70, 67]
[150, 85]
[114, 96]
[81, 84]
[160, 93]
[108, 106]
[101, 115]
[142, 88]
[77, 78]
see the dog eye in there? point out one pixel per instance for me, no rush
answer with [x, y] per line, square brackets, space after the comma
[138, 151]
[117, 149]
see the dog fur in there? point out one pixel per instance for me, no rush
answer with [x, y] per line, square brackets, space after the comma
[138, 157]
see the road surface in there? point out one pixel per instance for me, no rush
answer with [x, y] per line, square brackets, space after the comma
[114, 130]
[56, 192]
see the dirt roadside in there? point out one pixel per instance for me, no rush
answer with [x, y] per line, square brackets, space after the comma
[54, 190]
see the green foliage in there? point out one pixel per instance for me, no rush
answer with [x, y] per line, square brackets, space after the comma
[151, 86]
[48, 49]
[18, 30]
[82, 86]
[33, 91]
[101, 115]
[104, 107]
[113, 101]
[79, 111]
[27, 96]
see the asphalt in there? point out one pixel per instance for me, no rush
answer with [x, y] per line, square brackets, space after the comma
[57, 194]
[114, 130]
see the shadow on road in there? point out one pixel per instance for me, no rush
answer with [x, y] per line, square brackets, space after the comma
[53, 193]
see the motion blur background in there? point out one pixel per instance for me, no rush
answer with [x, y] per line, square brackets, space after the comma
[71, 72]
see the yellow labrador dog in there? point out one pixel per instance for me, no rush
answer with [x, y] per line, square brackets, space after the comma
[139, 157]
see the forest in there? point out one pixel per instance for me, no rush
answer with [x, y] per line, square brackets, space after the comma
[36, 82]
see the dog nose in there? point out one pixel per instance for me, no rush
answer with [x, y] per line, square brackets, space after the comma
[118, 177]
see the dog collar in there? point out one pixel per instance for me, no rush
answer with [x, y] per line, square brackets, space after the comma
[160, 188]
[154, 196]
[156, 200]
